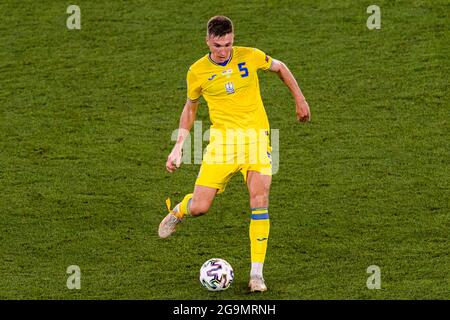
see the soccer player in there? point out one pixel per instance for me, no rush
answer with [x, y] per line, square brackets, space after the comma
[227, 79]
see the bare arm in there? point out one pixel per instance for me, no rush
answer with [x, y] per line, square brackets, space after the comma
[187, 119]
[301, 106]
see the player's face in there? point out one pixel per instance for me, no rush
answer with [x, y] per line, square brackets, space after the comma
[220, 47]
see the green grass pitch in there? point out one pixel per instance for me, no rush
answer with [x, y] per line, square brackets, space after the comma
[85, 130]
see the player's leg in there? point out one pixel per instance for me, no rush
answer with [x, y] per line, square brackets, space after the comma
[202, 200]
[259, 187]
[193, 204]
[197, 203]
[212, 179]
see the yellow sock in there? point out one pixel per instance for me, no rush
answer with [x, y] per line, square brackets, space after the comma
[182, 208]
[259, 234]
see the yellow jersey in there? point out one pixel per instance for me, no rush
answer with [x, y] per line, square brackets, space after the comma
[231, 90]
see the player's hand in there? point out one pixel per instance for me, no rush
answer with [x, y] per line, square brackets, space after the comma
[303, 112]
[174, 159]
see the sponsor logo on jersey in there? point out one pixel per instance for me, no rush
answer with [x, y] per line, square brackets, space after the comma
[227, 72]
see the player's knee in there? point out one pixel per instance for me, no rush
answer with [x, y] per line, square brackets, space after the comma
[198, 209]
[259, 200]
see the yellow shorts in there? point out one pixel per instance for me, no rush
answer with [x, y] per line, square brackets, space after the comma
[221, 162]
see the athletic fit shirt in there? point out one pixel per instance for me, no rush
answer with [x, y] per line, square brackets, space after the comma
[231, 90]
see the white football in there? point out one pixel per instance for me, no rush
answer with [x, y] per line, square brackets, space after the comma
[216, 274]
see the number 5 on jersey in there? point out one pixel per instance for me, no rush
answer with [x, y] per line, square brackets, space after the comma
[243, 69]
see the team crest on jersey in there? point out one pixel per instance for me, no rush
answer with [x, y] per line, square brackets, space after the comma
[229, 86]
[227, 72]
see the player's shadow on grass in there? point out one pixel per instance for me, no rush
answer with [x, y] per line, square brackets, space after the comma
[241, 288]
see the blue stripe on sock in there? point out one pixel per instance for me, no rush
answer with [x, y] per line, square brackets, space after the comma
[261, 216]
[188, 205]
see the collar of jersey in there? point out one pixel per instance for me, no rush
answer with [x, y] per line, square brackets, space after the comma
[221, 64]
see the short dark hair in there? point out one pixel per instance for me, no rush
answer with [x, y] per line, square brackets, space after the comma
[218, 26]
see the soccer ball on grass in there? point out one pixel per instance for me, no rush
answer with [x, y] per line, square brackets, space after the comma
[216, 274]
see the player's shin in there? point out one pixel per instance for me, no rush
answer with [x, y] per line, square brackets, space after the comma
[182, 209]
[259, 235]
